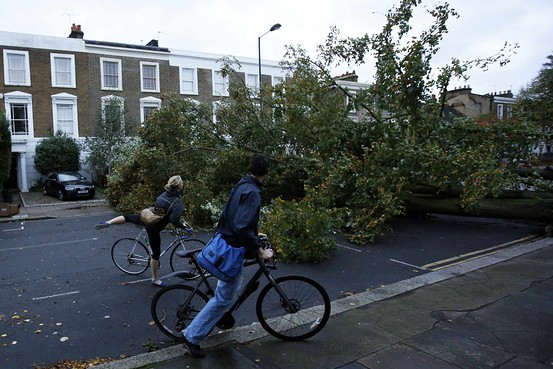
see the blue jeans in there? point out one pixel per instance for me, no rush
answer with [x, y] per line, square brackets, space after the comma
[203, 323]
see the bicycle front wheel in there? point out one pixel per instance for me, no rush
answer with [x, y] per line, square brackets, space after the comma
[174, 307]
[184, 264]
[130, 255]
[304, 315]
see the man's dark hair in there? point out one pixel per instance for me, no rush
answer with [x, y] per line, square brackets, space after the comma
[259, 165]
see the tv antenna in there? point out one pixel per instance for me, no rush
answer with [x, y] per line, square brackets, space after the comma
[69, 16]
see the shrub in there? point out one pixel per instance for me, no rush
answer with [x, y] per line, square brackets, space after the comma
[57, 153]
[300, 231]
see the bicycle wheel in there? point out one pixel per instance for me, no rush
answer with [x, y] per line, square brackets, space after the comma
[184, 264]
[174, 307]
[130, 256]
[311, 308]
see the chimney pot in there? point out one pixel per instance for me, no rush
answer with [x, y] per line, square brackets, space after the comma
[76, 31]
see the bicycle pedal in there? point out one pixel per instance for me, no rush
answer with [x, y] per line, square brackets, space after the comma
[187, 275]
[227, 321]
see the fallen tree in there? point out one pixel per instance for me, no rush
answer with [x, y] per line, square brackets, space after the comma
[535, 209]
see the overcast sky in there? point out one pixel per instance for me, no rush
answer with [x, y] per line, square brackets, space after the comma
[232, 27]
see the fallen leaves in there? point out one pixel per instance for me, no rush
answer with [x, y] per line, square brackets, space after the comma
[75, 364]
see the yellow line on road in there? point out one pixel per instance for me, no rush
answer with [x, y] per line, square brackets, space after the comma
[474, 254]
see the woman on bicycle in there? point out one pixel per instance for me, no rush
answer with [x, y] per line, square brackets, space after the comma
[173, 206]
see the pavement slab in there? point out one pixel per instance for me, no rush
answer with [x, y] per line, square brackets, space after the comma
[403, 357]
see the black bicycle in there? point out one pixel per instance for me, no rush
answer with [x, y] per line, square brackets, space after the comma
[291, 308]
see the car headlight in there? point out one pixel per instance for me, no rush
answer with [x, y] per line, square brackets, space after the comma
[69, 188]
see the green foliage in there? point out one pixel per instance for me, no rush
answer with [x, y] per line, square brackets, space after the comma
[330, 168]
[5, 149]
[108, 137]
[535, 102]
[300, 230]
[57, 153]
[175, 139]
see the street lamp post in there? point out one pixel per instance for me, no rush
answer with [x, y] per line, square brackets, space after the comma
[273, 28]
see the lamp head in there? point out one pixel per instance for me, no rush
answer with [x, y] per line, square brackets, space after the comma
[275, 27]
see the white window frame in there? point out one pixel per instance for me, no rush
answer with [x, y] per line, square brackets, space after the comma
[65, 99]
[215, 107]
[220, 84]
[277, 79]
[72, 80]
[105, 99]
[194, 81]
[252, 82]
[18, 97]
[148, 102]
[500, 111]
[119, 74]
[350, 99]
[142, 76]
[27, 72]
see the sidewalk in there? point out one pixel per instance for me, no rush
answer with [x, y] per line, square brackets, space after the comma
[492, 312]
[35, 205]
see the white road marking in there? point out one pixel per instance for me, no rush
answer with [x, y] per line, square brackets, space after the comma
[48, 244]
[52, 296]
[348, 247]
[15, 229]
[138, 281]
[404, 263]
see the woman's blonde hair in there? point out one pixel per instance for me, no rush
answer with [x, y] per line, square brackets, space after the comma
[174, 183]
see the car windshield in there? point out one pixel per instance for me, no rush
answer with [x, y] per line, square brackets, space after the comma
[67, 177]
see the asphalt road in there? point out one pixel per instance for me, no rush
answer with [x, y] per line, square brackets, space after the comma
[62, 298]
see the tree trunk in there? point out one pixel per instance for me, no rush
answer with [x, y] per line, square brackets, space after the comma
[430, 190]
[505, 208]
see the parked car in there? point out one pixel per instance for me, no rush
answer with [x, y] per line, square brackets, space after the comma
[68, 185]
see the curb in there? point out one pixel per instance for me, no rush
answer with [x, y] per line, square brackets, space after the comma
[254, 331]
[44, 211]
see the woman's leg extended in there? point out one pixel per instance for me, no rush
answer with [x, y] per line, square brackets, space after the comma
[117, 220]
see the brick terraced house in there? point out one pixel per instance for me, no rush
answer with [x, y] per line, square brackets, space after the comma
[49, 84]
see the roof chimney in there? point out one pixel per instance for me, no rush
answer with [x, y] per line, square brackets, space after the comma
[76, 31]
[351, 77]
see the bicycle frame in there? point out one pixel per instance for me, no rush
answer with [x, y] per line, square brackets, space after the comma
[291, 307]
[251, 286]
[178, 238]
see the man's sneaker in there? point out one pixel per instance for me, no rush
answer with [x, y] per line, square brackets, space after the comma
[194, 350]
[101, 225]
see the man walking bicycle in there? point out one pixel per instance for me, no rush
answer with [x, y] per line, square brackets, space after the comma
[238, 226]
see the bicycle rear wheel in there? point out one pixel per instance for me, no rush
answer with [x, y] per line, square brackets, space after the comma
[174, 307]
[184, 264]
[309, 312]
[130, 255]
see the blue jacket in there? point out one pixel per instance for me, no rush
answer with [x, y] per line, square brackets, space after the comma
[239, 221]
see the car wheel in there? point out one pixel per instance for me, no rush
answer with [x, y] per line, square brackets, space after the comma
[61, 195]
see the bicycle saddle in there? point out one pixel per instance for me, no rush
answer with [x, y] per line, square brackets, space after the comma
[186, 253]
